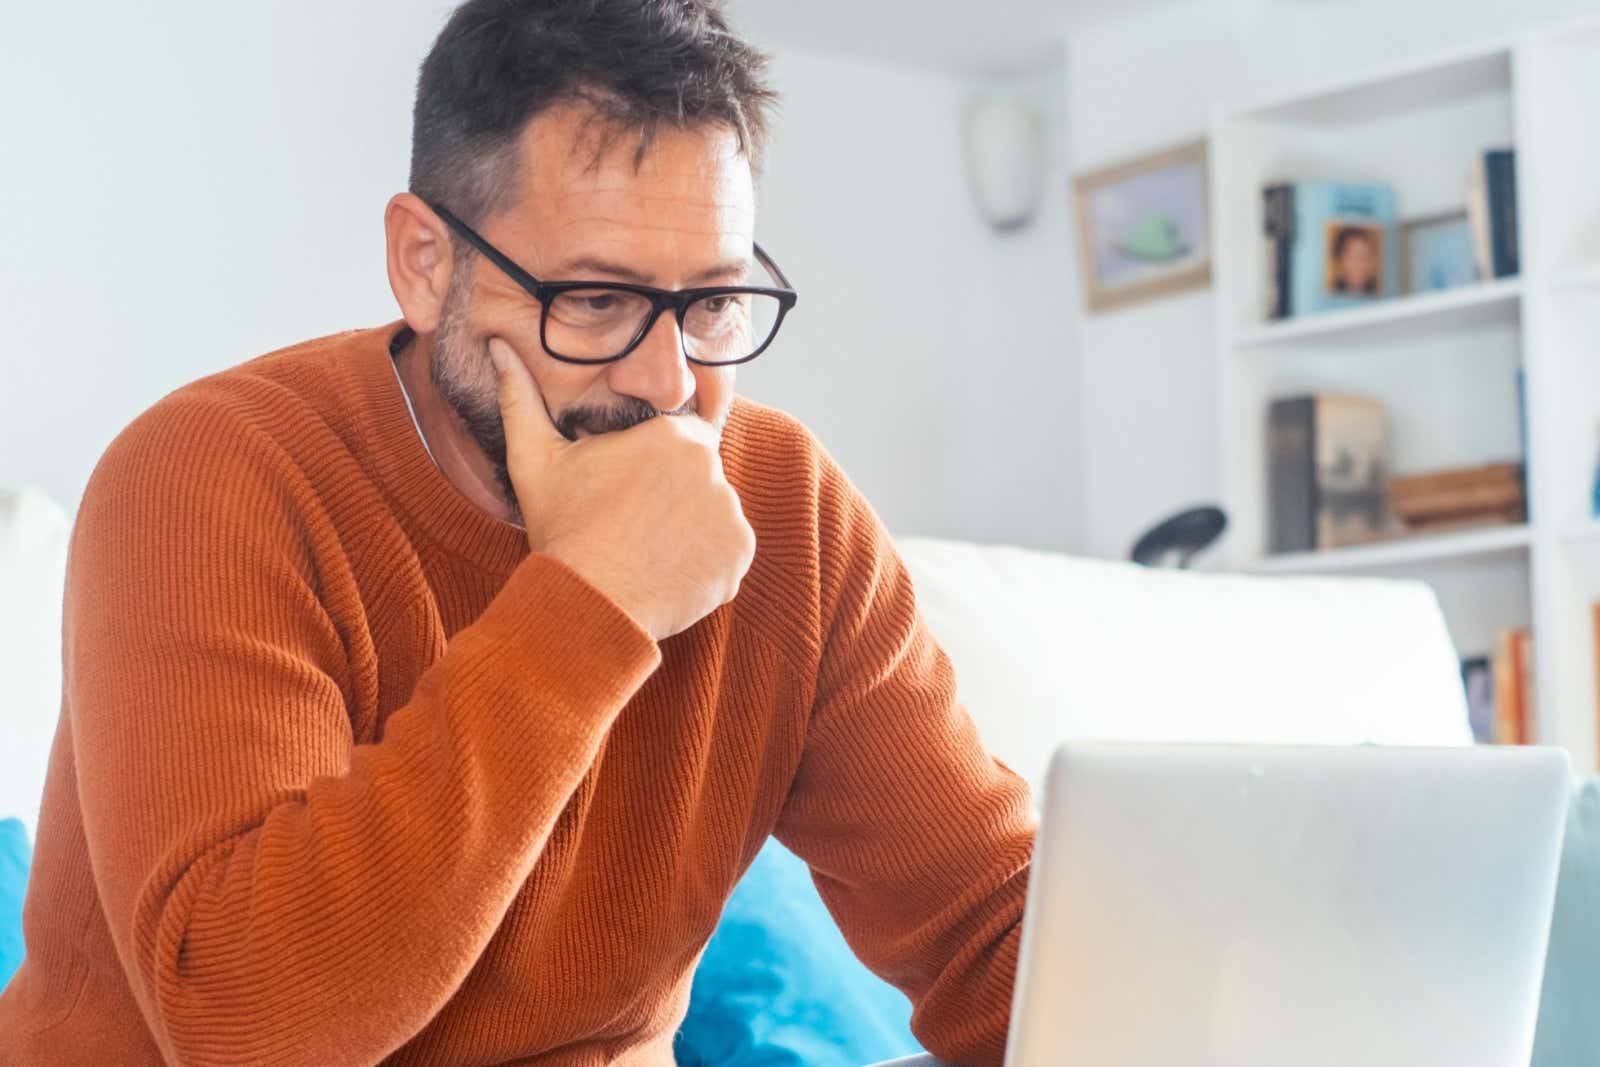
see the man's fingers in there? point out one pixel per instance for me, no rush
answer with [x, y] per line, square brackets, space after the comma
[522, 409]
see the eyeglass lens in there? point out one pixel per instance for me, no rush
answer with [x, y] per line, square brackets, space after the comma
[600, 323]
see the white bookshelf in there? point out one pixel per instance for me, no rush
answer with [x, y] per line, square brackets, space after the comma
[1403, 552]
[1444, 364]
[1471, 305]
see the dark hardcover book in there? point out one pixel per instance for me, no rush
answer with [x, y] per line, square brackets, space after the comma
[1292, 474]
[1278, 224]
[1477, 676]
[1501, 167]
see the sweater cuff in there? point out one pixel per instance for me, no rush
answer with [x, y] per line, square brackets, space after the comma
[577, 633]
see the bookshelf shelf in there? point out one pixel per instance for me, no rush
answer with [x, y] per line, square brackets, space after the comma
[1468, 308]
[1485, 374]
[1402, 552]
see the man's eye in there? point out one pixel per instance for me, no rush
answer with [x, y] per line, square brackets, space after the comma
[601, 301]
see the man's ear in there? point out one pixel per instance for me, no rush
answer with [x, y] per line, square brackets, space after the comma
[419, 260]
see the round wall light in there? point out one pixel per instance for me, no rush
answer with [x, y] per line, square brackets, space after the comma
[1004, 147]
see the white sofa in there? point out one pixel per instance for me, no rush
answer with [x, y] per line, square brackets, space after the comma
[1046, 648]
[1049, 648]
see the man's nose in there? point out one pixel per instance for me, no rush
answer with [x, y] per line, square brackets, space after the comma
[656, 372]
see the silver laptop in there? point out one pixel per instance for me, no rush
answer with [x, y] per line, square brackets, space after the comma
[1205, 905]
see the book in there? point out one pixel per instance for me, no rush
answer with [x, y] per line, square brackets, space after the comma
[1492, 492]
[1512, 669]
[1478, 219]
[1500, 167]
[1327, 486]
[1278, 231]
[1507, 475]
[1344, 251]
[1477, 678]
[1492, 213]
[1526, 714]
[1451, 521]
[1505, 688]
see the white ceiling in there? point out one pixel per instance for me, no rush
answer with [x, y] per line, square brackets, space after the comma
[949, 35]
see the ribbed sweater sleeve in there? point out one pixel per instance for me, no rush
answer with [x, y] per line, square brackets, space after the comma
[919, 841]
[277, 893]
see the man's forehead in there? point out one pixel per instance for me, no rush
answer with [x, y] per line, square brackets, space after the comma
[679, 210]
[569, 154]
[668, 232]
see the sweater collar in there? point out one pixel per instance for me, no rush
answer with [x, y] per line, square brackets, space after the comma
[402, 462]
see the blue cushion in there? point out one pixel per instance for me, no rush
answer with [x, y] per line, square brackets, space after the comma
[1569, 1024]
[15, 856]
[778, 985]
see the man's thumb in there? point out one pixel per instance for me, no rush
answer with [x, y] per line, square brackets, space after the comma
[522, 409]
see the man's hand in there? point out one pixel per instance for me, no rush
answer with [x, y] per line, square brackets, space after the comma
[643, 514]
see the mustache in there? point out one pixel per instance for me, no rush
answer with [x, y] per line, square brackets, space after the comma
[610, 418]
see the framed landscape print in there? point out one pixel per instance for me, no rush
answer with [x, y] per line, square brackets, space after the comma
[1144, 227]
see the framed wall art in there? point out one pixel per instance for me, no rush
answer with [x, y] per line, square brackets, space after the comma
[1144, 227]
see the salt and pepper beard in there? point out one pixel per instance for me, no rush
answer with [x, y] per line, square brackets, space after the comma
[463, 375]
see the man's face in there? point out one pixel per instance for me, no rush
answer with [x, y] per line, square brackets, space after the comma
[687, 209]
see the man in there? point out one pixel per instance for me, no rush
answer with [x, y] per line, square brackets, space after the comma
[429, 687]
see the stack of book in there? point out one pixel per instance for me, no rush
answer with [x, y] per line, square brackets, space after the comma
[1464, 497]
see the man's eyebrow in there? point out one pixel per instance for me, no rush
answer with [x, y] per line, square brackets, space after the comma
[576, 269]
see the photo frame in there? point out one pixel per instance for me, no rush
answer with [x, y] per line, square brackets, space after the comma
[1353, 259]
[1144, 227]
[1436, 253]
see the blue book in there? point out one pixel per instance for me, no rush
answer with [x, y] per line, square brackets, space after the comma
[1346, 251]
[1500, 166]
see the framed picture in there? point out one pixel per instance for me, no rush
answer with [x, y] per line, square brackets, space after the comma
[1144, 227]
[1436, 253]
[1352, 256]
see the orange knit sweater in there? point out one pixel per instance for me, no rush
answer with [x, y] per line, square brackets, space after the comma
[345, 775]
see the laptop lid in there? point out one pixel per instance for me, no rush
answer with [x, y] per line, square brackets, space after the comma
[1208, 905]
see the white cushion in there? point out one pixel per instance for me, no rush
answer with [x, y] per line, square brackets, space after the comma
[1049, 648]
[33, 564]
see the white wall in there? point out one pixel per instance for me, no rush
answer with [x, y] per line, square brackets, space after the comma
[932, 356]
[1150, 373]
[187, 185]
[190, 184]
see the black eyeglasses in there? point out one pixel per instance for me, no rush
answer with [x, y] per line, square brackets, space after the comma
[600, 322]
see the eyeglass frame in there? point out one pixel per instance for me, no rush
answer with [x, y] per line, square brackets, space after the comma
[678, 300]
